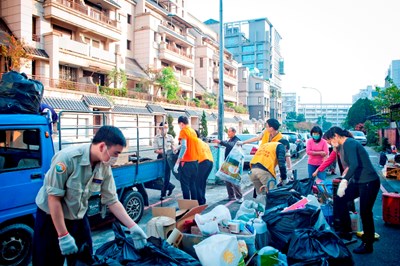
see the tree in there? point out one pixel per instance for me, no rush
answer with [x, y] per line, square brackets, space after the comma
[203, 127]
[14, 53]
[301, 118]
[387, 97]
[359, 112]
[171, 131]
[291, 116]
[169, 83]
[304, 126]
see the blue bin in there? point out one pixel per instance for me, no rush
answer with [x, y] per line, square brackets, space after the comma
[327, 210]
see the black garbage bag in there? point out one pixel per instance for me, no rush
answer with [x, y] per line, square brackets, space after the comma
[281, 197]
[121, 249]
[282, 224]
[303, 186]
[19, 95]
[310, 245]
[160, 252]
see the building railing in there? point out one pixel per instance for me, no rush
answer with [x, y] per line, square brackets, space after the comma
[178, 51]
[66, 84]
[35, 38]
[88, 11]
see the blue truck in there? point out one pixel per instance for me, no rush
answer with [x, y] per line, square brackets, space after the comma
[26, 150]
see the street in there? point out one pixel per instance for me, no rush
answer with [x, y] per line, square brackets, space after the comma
[386, 250]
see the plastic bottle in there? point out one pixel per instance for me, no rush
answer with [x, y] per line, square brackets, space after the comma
[261, 232]
[354, 221]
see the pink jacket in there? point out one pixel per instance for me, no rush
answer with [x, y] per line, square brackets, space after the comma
[313, 146]
[328, 161]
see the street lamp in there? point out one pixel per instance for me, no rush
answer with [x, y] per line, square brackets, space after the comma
[320, 100]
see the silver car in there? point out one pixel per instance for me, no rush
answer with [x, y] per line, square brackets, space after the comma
[360, 137]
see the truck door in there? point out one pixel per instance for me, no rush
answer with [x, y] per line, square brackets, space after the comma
[21, 172]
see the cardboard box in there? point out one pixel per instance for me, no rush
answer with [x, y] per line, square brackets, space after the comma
[160, 227]
[393, 172]
[187, 210]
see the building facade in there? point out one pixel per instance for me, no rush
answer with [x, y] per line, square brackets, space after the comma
[334, 113]
[289, 103]
[393, 73]
[369, 93]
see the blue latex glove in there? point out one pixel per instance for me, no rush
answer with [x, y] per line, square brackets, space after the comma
[67, 245]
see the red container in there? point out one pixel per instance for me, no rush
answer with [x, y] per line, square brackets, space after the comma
[391, 208]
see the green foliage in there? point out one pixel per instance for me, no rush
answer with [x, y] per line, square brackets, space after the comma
[387, 97]
[203, 127]
[171, 131]
[116, 76]
[371, 133]
[168, 82]
[359, 112]
[113, 91]
[196, 101]
[290, 126]
[240, 109]
[246, 131]
[210, 100]
[301, 118]
[225, 129]
[230, 105]
[291, 116]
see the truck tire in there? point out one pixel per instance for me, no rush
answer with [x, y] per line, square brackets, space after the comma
[133, 204]
[16, 245]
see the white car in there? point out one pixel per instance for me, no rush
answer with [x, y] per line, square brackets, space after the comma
[249, 149]
[214, 136]
[360, 137]
[293, 147]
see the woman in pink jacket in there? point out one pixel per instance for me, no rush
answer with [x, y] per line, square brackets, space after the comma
[317, 150]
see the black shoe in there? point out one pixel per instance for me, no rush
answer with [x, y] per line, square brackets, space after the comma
[364, 248]
[162, 197]
[171, 188]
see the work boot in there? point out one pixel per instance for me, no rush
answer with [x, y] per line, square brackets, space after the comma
[364, 248]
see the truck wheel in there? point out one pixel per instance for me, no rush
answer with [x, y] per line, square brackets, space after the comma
[16, 245]
[133, 204]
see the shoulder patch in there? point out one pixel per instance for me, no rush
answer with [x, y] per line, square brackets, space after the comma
[60, 168]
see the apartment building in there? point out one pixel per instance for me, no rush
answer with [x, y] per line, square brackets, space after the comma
[369, 92]
[334, 113]
[76, 44]
[393, 73]
[289, 103]
[254, 92]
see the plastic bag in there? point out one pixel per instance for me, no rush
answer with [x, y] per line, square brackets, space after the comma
[208, 222]
[218, 250]
[249, 210]
[282, 224]
[314, 245]
[19, 95]
[232, 168]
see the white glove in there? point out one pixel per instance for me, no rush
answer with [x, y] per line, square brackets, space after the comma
[176, 168]
[284, 182]
[239, 143]
[67, 244]
[342, 187]
[139, 237]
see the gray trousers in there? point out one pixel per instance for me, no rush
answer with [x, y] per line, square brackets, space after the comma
[233, 191]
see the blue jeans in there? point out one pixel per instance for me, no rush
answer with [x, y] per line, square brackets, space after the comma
[311, 170]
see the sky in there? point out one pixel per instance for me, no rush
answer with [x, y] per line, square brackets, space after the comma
[335, 46]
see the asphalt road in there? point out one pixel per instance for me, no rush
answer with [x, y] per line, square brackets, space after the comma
[386, 249]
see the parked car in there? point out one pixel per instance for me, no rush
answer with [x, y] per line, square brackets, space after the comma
[305, 136]
[214, 135]
[249, 149]
[293, 147]
[359, 136]
[296, 139]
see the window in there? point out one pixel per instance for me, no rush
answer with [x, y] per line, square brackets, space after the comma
[23, 149]
[96, 43]
[128, 44]
[201, 62]
[258, 86]
[259, 100]
[129, 18]
[249, 57]
[68, 73]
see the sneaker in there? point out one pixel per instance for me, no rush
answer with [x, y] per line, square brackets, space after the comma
[240, 200]
[364, 248]
[230, 199]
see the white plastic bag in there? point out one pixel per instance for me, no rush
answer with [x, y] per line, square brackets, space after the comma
[208, 222]
[232, 168]
[218, 250]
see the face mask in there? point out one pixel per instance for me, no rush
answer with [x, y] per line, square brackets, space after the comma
[316, 137]
[110, 161]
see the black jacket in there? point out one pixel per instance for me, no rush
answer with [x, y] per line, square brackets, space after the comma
[229, 144]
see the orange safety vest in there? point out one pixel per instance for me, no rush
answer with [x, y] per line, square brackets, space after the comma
[205, 152]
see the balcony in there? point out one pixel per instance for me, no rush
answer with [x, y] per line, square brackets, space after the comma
[228, 77]
[83, 17]
[66, 84]
[177, 56]
[230, 96]
[70, 47]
